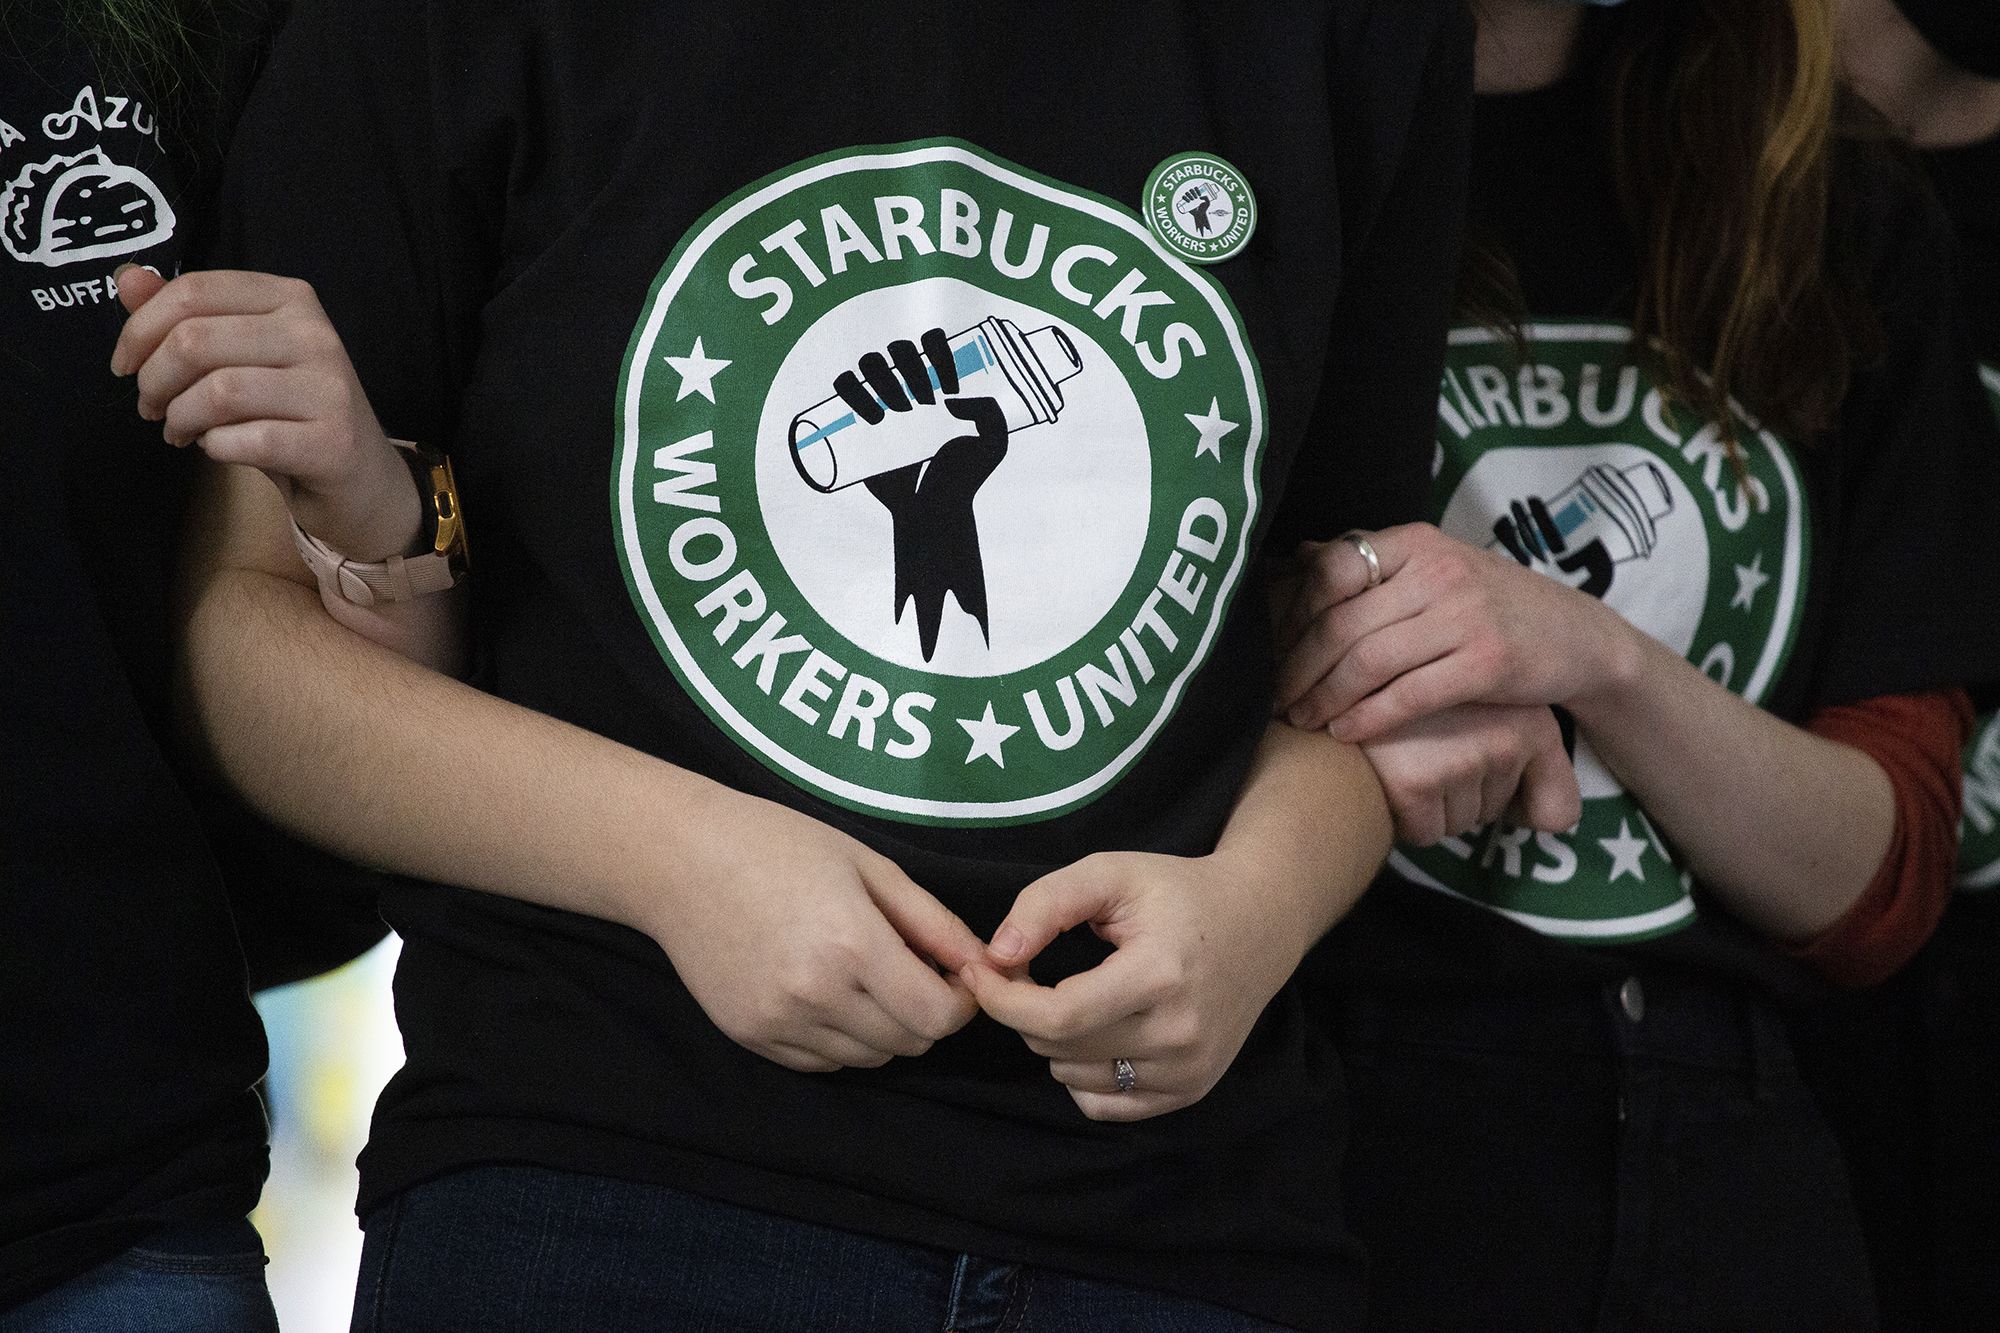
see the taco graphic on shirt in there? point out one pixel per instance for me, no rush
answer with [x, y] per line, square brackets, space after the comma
[85, 206]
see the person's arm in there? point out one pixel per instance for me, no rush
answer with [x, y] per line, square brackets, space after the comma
[1917, 739]
[1201, 943]
[799, 942]
[1786, 827]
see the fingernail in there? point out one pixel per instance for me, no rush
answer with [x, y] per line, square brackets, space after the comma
[119, 272]
[1007, 944]
[1296, 716]
[1341, 728]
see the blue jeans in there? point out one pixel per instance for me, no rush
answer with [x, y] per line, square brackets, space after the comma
[180, 1279]
[524, 1248]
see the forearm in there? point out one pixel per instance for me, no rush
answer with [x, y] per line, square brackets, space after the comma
[390, 764]
[1310, 826]
[1786, 827]
[385, 762]
[429, 631]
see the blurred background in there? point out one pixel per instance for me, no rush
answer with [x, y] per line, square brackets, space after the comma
[333, 1045]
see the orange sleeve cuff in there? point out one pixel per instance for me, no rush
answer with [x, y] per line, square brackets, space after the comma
[1917, 739]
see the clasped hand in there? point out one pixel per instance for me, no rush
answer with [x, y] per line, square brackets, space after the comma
[1443, 671]
[868, 966]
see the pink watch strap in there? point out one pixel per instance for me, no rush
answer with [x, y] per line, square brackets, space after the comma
[364, 583]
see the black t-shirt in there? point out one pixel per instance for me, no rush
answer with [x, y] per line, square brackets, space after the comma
[128, 1047]
[1856, 565]
[1968, 181]
[618, 258]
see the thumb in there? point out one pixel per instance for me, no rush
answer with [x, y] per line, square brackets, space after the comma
[926, 925]
[136, 286]
[1548, 798]
[1051, 905]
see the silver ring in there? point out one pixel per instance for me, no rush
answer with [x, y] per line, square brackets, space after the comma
[1121, 1069]
[1361, 544]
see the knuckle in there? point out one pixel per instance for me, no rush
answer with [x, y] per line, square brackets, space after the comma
[229, 389]
[843, 949]
[767, 1016]
[1488, 661]
[1181, 1033]
[1450, 571]
[745, 1029]
[935, 1025]
[187, 342]
[256, 443]
[1063, 1026]
[1365, 657]
[1169, 977]
[1407, 695]
[800, 984]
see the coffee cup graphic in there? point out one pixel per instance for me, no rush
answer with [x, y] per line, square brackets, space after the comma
[834, 448]
[1616, 510]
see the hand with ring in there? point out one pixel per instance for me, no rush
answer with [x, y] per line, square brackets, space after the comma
[1445, 624]
[1154, 1026]
[1441, 661]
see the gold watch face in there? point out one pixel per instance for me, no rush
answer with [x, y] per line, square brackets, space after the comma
[450, 524]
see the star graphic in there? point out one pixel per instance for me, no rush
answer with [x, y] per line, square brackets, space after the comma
[697, 371]
[1626, 852]
[1212, 428]
[987, 736]
[1750, 579]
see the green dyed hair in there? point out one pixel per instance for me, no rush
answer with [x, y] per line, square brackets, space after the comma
[169, 52]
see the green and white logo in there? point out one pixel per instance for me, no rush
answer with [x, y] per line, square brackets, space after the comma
[1576, 466]
[934, 480]
[1201, 207]
[1979, 826]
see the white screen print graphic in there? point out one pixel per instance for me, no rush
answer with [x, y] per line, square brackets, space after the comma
[1603, 519]
[864, 431]
[82, 206]
[1203, 209]
[924, 427]
[1057, 522]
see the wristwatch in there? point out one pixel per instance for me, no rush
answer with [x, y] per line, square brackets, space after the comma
[399, 578]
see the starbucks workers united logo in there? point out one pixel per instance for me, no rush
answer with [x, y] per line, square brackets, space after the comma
[1575, 465]
[934, 479]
